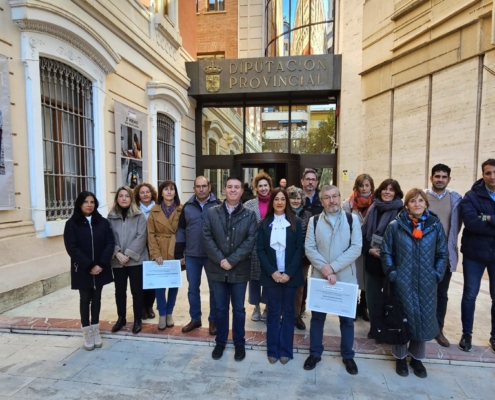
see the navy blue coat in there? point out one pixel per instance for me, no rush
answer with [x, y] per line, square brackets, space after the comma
[478, 237]
[294, 251]
[88, 246]
[416, 267]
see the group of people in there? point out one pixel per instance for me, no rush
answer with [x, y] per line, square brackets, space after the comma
[376, 238]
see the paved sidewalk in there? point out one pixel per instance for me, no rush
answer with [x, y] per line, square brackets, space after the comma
[58, 312]
[55, 367]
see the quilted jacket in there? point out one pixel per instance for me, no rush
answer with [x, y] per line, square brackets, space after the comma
[416, 267]
[478, 237]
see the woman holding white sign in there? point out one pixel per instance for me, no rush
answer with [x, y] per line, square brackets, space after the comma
[280, 251]
[162, 227]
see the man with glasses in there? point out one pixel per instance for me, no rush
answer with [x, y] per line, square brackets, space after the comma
[332, 245]
[309, 184]
[190, 243]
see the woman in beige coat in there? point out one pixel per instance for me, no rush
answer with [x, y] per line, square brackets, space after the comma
[162, 227]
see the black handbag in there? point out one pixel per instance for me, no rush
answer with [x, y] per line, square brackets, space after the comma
[389, 325]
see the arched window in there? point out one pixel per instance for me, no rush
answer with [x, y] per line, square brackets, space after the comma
[68, 137]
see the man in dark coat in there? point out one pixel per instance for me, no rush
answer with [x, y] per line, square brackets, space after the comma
[309, 184]
[189, 243]
[478, 248]
[229, 234]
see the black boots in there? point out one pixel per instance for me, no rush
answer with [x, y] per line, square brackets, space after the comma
[119, 324]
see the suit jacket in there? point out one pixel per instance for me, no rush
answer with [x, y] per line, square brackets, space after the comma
[293, 254]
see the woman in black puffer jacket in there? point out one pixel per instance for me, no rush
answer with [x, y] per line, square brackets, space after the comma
[414, 257]
[89, 242]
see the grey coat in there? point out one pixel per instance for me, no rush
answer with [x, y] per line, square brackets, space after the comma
[253, 205]
[330, 245]
[416, 266]
[130, 238]
[231, 237]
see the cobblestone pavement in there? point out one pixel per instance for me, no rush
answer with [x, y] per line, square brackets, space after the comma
[55, 367]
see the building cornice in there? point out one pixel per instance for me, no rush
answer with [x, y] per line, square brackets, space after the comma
[24, 23]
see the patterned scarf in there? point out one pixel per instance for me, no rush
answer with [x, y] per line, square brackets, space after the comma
[168, 210]
[360, 202]
[418, 224]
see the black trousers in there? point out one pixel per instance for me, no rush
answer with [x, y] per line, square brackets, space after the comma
[148, 298]
[442, 297]
[135, 275]
[90, 299]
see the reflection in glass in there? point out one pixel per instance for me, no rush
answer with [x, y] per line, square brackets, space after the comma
[218, 179]
[222, 131]
[299, 27]
[313, 129]
[268, 129]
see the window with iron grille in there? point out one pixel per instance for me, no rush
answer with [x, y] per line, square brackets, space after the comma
[68, 137]
[165, 148]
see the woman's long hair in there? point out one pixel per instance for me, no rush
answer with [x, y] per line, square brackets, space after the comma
[80, 201]
[166, 184]
[289, 214]
[133, 208]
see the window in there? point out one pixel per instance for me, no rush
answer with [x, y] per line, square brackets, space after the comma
[161, 7]
[216, 5]
[68, 138]
[165, 148]
[218, 55]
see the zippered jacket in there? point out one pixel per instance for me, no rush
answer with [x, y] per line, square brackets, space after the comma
[478, 237]
[189, 238]
[89, 245]
[130, 238]
[231, 237]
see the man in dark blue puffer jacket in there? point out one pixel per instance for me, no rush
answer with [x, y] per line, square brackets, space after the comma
[478, 248]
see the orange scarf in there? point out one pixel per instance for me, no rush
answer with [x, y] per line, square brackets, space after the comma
[360, 203]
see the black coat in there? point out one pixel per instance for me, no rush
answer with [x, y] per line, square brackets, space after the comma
[231, 237]
[88, 246]
[478, 237]
[294, 249]
[315, 207]
[416, 267]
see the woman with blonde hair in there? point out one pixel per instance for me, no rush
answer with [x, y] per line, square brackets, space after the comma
[263, 185]
[129, 230]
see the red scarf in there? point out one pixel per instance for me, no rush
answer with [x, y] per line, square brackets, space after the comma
[263, 204]
[360, 203]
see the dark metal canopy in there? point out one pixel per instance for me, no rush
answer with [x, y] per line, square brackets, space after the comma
[269, 80]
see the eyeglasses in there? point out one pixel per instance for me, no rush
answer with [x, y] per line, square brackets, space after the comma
[310, 179]
[333, 198]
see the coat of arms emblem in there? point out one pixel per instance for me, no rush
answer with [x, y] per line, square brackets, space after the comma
[213, 77]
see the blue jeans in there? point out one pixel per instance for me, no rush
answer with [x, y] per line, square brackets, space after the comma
[256, 295]
[473, 272]
[280, 335]
[316, 335]
[194, 269]
[226, 292]
[165, 304]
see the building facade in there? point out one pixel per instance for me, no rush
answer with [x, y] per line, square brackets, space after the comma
[71, 64]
